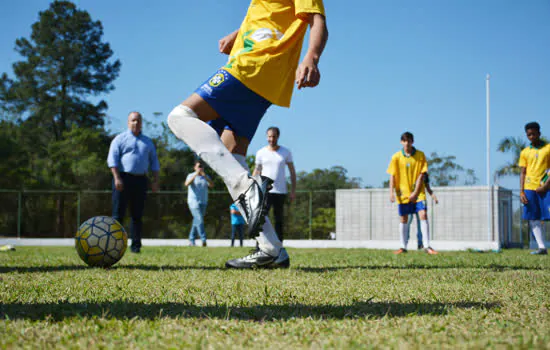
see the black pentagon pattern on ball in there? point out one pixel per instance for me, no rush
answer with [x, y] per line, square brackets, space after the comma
[105, 241]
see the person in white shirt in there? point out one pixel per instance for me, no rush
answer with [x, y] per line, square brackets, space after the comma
[271, 161]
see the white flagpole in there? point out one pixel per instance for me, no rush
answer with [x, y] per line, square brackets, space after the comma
[488, 170]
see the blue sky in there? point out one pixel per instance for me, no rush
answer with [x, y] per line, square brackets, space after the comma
[389, 66]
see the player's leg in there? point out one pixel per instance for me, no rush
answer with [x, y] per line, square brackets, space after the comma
[195, 212]
[240, 230]
[403, 210]
[419, 232]
[226, 97]
[137, 205]
[278, 213]
[202, 230]
[422, 211]
[269, 246]
[534, 211]
[119, 201]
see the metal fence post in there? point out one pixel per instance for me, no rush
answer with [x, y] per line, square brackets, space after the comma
[77, 210]
[310, 215]
[19, 199]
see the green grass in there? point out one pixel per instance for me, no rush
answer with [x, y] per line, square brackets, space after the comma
[181, 297]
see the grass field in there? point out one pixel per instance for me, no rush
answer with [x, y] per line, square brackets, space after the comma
[171, 297]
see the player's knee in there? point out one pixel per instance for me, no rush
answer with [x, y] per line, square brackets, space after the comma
[178, 113]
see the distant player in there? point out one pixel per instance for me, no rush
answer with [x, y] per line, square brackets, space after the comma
[411, 217]
[407, 170]
[262, 70]
[534, 162]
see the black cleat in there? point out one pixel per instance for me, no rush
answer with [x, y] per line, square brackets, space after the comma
[540, 251]
[256, 259]
[282, 261]
[252, 203]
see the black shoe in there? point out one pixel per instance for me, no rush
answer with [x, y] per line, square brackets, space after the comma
[540, 251]
[204, 243]
[420, 246]
[256, 259]
[135, 250]
[252, 203]
[282, 261]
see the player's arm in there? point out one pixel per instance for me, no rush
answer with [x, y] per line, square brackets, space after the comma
[225, 44]
[417, 187]
[257, 170]
[191, 178]
[431, 192]
[307, 74]
[545, 183]
[392, 188]
[292, 172]
[522, 175]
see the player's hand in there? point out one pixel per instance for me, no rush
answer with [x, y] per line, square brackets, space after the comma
[434, 197]
[413, 197]
[392, 197]
[119, 185]
[523, 198]
[155, 187]
[225, 44]
[540, 189]
[307, 74]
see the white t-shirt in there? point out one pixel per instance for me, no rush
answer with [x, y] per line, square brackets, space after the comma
[273, 164]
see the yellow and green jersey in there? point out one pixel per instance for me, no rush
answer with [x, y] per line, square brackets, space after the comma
[536, 161]
[267, 49]
[406, 170]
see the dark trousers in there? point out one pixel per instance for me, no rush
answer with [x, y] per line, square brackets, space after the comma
[134, 192]
[277, 202]
[237, 230]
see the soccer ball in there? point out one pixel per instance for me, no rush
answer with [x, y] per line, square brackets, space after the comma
[101, 241]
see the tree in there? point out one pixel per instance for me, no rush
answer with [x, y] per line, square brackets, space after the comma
[65, 62]
[444, 171]
[513, 145]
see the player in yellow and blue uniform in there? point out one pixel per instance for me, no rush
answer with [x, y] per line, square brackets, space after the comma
[262, 70]
[407, 170]
[534, 162]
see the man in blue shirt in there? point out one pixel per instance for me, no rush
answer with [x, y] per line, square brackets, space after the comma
[197, 184]
[131, 156]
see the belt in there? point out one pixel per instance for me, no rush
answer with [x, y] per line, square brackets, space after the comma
[135, 175]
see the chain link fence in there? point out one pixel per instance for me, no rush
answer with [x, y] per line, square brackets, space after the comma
[312, 215]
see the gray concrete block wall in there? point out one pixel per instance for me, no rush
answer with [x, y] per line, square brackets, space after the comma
[461, 215]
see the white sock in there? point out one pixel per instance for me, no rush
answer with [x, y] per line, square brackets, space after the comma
[403, 230]
[537, 228]
[268, 241]
[425, 233]
[204, 141]
[242, 160]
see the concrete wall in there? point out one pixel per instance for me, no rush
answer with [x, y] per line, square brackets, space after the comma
[461, 215]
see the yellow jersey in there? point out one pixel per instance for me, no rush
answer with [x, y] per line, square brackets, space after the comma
[267, 48]
[536, 161]
[406, 170]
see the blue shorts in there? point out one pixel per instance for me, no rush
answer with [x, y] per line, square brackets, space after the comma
[411, 208]
[538, 206]
[240, 109]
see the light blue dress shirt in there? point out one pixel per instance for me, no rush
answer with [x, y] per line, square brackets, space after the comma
[197, 191]
[133, 154]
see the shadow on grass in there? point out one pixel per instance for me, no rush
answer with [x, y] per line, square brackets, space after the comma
[56, 268]
[129, 310]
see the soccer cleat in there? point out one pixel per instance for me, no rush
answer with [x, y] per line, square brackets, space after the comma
[420, 246]
[400, 251]
[282, 261]
[431, 251]
[252, 203]
[256, 259]
[540, 251]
